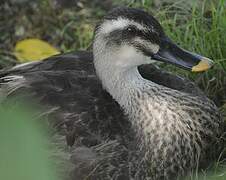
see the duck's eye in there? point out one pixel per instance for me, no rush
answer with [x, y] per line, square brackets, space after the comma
[131, 29]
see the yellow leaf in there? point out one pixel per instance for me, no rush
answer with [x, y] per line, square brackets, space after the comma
[34, 49]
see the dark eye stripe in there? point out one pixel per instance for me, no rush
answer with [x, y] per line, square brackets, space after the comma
[153, 37]
[120, 35]
[143, 49]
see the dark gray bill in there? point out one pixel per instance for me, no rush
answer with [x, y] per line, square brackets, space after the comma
[171, 53]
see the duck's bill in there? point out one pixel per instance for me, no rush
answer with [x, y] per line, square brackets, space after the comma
[171, 53]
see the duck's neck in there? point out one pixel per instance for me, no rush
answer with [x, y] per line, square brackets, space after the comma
[125, 86]
[131, 91]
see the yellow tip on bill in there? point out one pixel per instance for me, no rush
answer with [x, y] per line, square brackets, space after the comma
[203, 65]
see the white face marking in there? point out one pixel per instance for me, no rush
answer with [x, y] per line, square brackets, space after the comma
[128, 56]
[124, 55]
[118, 24]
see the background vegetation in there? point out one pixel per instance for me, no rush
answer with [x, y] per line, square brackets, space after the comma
[199, 26]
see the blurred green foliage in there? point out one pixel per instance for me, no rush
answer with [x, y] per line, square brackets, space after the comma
[23, 145]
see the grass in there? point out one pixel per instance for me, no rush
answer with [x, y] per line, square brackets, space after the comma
[202, 29]
[199, 26]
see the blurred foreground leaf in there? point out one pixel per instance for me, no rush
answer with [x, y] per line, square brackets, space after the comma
[34, 49]
[24, 151]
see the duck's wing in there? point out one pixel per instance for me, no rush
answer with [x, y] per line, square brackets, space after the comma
[167, 79]
[80, 113]
[79, 61]
[68, 84]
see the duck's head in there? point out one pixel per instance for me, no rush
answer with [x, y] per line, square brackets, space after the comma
[128, 37]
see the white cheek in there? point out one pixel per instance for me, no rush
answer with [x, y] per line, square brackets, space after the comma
[129, 56]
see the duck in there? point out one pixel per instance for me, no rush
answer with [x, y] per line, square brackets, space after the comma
[113, 113]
